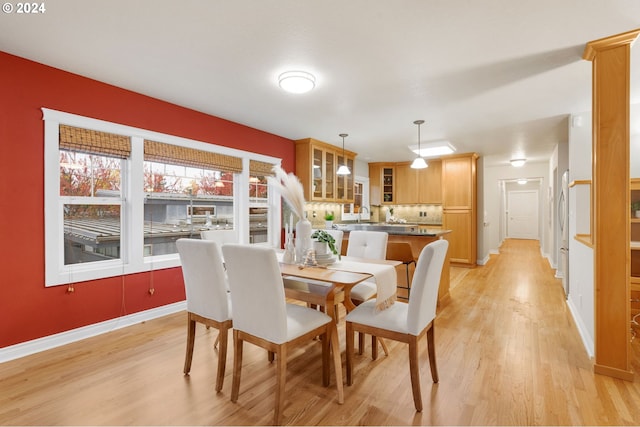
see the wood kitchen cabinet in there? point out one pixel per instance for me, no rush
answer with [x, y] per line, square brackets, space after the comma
[459, 210]
[459, 181]
[406, 180]
[316, 166]
[398, 183]
[430, 183]
[382, 182]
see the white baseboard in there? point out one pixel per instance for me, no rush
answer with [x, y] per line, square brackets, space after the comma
[45, 343]
[582, 330]
[485, 260]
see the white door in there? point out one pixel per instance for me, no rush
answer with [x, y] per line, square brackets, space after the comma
[522, 214]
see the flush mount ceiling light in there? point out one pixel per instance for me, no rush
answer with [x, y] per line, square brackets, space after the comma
[433, 149]
[297, 81]
[516, 163]
[343, 169]
[522, 181]
[418, 162]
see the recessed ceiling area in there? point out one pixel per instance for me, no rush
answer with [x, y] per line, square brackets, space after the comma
[498, 77]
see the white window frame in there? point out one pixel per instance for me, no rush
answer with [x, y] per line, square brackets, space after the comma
[132, 201]
[365, 201]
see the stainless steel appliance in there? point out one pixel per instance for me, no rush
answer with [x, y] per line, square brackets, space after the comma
[563, 222]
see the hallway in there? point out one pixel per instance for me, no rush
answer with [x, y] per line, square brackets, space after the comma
[508, 353]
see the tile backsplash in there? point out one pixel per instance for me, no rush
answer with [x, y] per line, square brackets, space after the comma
[420, 214]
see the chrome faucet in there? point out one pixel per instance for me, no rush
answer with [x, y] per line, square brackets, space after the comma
[360, 213]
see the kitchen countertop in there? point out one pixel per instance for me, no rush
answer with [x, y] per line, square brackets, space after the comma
[396, 229]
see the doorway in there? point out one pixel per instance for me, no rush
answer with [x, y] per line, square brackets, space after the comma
[522, 214]
[521, 209]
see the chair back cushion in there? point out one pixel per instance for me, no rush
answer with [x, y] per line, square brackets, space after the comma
[204, 279]
[257, 291]
[368, 244]
[220, 237]
[424, 286]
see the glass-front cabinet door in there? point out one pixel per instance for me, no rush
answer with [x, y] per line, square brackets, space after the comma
[318, 174]
[345, 182]
[330, 175]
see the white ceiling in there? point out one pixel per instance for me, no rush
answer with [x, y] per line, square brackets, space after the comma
[497, 77]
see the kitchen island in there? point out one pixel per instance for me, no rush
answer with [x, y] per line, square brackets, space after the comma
[417, 235]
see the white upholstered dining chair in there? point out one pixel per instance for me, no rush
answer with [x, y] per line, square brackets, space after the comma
[262, 317]
[405, 322]
[208, 301]
[221, 237]
[372, 245]
[366, 244]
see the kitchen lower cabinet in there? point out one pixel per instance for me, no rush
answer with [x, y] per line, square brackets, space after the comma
[462, 239]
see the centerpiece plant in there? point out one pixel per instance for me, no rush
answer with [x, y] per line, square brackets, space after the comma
[323, 236]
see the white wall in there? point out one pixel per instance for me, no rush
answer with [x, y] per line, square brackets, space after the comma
[489, 206]
[581, 288]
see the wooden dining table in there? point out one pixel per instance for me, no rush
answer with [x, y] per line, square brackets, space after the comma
[327, 286]
[335, 284]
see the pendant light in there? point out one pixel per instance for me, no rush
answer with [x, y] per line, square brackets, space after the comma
[418, 162]
[343, 169]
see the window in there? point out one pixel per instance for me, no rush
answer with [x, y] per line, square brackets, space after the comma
[359, 209]
[117, 198]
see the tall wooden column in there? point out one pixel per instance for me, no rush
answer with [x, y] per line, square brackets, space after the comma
[610, 198]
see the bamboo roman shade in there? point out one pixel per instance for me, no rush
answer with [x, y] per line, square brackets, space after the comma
[94, 142]
[183, 156]
[257, 168]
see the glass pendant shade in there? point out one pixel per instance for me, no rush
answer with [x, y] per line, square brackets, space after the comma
[343, 169]
[418, 162]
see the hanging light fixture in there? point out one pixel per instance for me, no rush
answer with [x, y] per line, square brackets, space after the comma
[418, 162]
[343, 169]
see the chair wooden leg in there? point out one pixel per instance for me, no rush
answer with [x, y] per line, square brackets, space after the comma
[326, 358]
[374, 347]
[432, 354]
[360, 342]
[384, 346]
[191, 337]
[337, 360]
[414, 369]
[237, 366]
[281, 377]
[222, 357]
[350, 337]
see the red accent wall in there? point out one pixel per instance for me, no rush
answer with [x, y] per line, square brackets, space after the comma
[28, 310]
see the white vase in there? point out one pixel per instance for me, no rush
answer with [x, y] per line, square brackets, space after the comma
[303, 239]
[328, 225]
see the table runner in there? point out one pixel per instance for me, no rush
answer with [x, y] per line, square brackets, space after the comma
[384, 275]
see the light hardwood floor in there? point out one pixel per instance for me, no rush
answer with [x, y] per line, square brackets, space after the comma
[508, 353]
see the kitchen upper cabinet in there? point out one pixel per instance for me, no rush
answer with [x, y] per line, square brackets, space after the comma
[383, 183]
[398, 183]
[345, 183]
[406, 184]
[430, 183]
[316, 166]
[459, 181]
